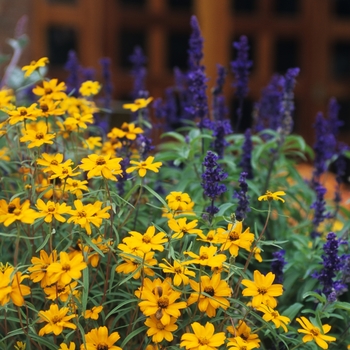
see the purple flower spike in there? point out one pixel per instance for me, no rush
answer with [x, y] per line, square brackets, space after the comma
[108, 84]
[73, 67]
[278, 264]
[243, 199]
[195, 51]
[138, 72]
[246, 161]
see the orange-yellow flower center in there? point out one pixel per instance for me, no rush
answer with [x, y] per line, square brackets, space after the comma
[54, 162]
[233, 236]
[315, 332]
[102, 346]
[160, 325]
[11, 208]
[209, 290]
[56, 319]
[262, 291]
[44, 107]
[204, 256]
[178, 269]
[82, 214]
[39, 136]
[48, 91]
[74, 184]
[203, 341]
[274, 314]
[163, 302]
[100, 161]
[178, 198]
[23, 112]
[51, 208]
[66, 267]
[146, 239]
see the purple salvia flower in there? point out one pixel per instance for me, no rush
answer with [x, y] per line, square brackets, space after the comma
[331, 265]
[221, 129]
[195, 51]
[240, 68]
[269, 108]
[124, 164]
[220, 81]
[212, 177]
[323, 147]
[145, 146]
[333, 112]
[87, 73]
[219, 108]
[319, 206]
[73, 67]
[243, 199]
[108, 84]
[138, 71]
[278, 264]
[246, 160]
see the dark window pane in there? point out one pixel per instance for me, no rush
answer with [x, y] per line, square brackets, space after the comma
[60, 41]
[243, 6]
[344, 114]
[247, 114]
[133, 3]
[177, 50]
[342, 8]
[63, 2]
[286, 55]
[251, 43]
[341, 60]
[129, 39]
[180, 4]
[287, 7]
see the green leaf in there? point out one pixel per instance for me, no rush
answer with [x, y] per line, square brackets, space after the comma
[293, 310]
[342, 305]
[319, 297]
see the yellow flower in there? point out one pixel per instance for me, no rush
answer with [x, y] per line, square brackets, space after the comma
[63, 170]
[6, 97]
[105, 166]
[93, 313]
[34, 65]
[63, 292]
[148, 241]
[141, 264]
[38, 272]
[314, 333]
[143, 166]
[181, 272]
[238, 343]
[4, 151]
[269, 196]
[178, 200]
[66, 269]
[21, 114]
[84, 215]
[92, 142]
[203, 338]
[161, 302]
[244, 332]
[20, 345]
[234, 239]
[9, 213]
[50, 90]
[257, 254]
[262, 290]
[75, 186]
[52, 210]
[158, 331]
[98, 339]
[206, 257]
[128, 130]
[49, 107]
[181, 227]
[64, 346]
[216, 291]
[73, 105]
[38, 137]
[138, 104]
[89, 88]
[79, 120]
[274, 316]
[56, 319]
[48, 160]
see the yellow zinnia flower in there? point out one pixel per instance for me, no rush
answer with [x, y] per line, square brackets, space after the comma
[89, 88]
[181, 227]
[314, 333]
[62, 292]
[93, 313]
[20, 345]
[143, 166]
[98, 338]
[243, 331]
[238, 343]
[49, 160]
[75, 186]
[158, 331]
[34, 65]
[38, 137]
[262, 290]
[52, 210]
[64, 346]
[15, 211]
[49, 107]
[274, 316]
[56, 319]
[79, 120]
[269, 196]
[51, 90]
[181, 272]
[217, 289]
[21, 114]
[178, 200]
[206, 257]
[203, 337]
[98, 165]
[138, 104]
